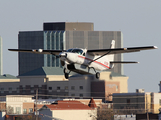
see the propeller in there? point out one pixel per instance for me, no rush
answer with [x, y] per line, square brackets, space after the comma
[62, 62]
[63, 55]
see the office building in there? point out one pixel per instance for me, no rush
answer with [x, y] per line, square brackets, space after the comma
[52, 86]
[137, 103]
[62, 36]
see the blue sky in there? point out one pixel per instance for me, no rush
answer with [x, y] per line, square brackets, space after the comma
[139, 21]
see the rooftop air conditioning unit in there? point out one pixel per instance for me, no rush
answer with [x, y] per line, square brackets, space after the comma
[140, 91]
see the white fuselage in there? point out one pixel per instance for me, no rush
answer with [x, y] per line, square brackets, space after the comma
[102, 63]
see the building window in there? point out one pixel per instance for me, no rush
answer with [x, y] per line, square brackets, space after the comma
[40, 91]
[2, 90]
[18, 90]
[30, 110]
[66, 87]
[116, 88]
[128, 101]
[72, 87]
[81, 87]
[24, 111]
[81, 95]
[66, 94]
[58, 88]
[72, 94]
[9, 88]
[50, 88]
[23, 91]
[18, 110]
[159, 101]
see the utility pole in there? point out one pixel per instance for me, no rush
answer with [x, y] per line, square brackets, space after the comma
[36, 104]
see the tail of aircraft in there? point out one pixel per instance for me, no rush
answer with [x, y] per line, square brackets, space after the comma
[113, 44]
[111, 56]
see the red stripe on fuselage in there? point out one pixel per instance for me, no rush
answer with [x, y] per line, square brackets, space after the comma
[94, 61]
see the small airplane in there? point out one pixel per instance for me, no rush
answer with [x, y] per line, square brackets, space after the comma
[85, 61]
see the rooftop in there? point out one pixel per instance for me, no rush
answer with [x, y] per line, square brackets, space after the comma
[70, 105]
[114, 74]
[7, 76]
[44, 71]
[67, 105]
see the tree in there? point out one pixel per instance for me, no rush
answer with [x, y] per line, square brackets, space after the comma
[10, 110]
[27, 117]
[105, 114]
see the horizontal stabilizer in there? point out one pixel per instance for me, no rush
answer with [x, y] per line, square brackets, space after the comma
[123, 62]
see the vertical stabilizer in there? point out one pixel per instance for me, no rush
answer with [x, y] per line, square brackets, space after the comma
[113, 44]
[111, 56]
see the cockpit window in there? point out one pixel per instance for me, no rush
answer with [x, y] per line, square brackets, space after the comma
[79, 51]
[70, 50]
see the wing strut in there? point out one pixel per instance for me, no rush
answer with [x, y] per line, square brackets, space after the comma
[99, 57]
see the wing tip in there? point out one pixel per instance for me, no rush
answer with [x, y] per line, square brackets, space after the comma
[155, 47]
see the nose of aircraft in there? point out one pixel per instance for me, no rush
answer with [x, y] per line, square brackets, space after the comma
[63, 55]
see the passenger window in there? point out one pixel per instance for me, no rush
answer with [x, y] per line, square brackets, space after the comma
[84, 54]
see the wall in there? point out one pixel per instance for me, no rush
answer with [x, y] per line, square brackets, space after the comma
[156, 102]
[74, 114]
[9, 86]
[16, 101]
[28, 106]
[77, 82]
[119, 81]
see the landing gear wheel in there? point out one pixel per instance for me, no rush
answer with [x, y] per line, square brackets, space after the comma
[66, 75]
[65, 70]
[97, 75]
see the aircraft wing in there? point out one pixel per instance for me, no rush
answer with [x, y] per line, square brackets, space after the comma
[38, 51]
[119, 50]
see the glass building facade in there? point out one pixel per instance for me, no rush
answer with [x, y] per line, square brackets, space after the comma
[53, 40]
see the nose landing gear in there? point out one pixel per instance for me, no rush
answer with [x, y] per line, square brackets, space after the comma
[66, 73]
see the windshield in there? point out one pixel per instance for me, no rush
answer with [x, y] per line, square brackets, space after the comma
[79, 51]
[69, 50]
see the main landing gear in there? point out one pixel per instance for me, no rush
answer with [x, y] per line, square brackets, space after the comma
[97, 75]
[90, 70]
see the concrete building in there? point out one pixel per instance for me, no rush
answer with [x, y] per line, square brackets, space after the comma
[19, 104]
[128, 103]
[64, 35]
[78, 86]
[57, 87]
[69, 110]
[155, 102]
[9, 85]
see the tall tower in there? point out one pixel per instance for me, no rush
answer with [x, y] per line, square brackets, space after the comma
[1, 65]
[64, 35]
